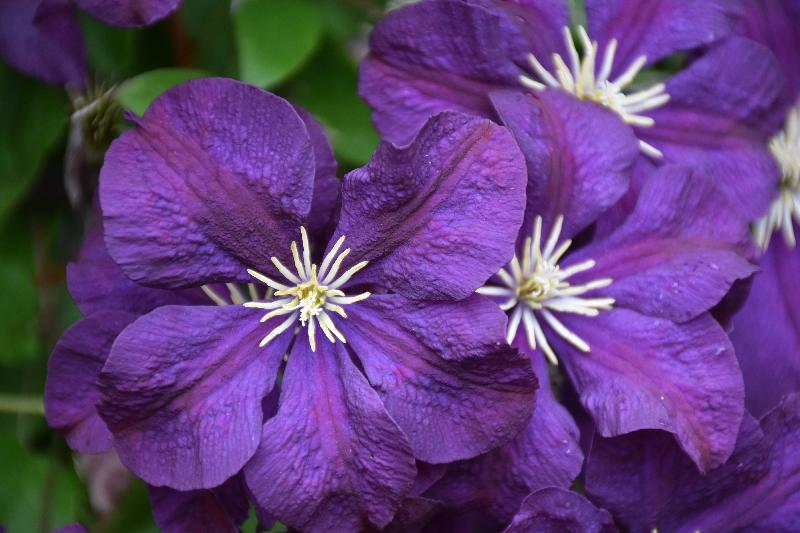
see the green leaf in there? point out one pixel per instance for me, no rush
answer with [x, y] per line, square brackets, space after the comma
[19, 306]
[32, 118]
[137, 93]
[274, 38]
[38, 493]
[328, 88]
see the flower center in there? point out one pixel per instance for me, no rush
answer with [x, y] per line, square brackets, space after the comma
[785, 147]
[538, 287]
[312, 295]
[583, 80]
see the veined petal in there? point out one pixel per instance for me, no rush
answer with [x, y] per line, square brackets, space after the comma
[644, 373]
[332, 459]
[437, 218]
[443, 372]
[431, 57]
[216, 176]
[658, 28]
[182, 392]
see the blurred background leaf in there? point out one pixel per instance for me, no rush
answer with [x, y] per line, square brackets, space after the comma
[38, 494]
[274, 38]
[136, 93]
[32, 119]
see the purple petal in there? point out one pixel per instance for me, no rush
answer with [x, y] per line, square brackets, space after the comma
[182, 392]
[677, 254]
[657, 28]
[438, 218]
[776, 24]
[645, 372]
[721, 111]
[443, 372]
[544, 454]
[555, 510]
[129, 12]
[331, 459]
[766, 331]
[646, 481]
[219, 510]
[43, 39]
[71, 394]
[579, 155]
[218, 174]
[97, 283]
[437, 56]
[326, 185]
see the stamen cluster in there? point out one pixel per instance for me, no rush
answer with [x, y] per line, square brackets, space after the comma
[312, 294]
[537, 285]
[785, 147]
[582, 80]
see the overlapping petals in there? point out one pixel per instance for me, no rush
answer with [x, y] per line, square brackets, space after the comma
[332, 458]
[648, 483]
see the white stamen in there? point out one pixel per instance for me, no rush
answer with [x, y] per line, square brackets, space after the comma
[308, 298]
[212, 294]
[582, 79]
[537, 284]
[785, 148]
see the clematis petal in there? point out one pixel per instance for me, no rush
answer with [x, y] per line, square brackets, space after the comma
[331, 459]
[553, 510]
[647, 482]
[182, 393]
[546, 453]
[677, 254]
[721, 112]
[658, 28]
[431, 57]
[766, 330]
[436, 219]
[217, 174]
[645, 372]
[129, 12]
[579, 156]
[71, 394]
[326, 185]
[776, 24]
[97, 283]
[443, 372]
[43, 39]
[221, 509]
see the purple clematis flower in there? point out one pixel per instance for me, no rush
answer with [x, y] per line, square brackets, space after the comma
[391, 357]
[43, 39]
[624, 313]
[646, 482]
[714, 116]
[110, 301]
